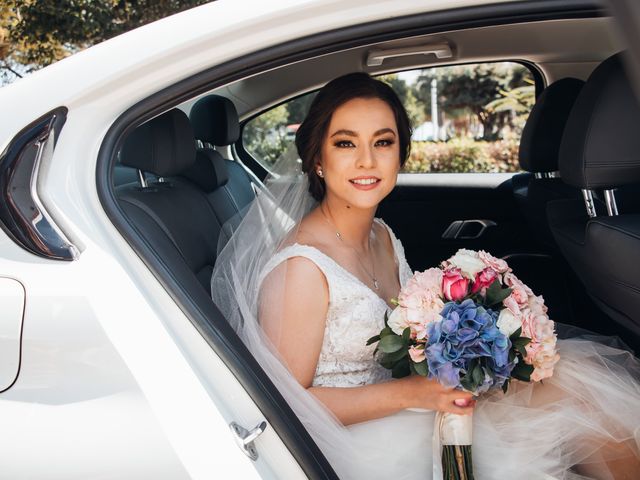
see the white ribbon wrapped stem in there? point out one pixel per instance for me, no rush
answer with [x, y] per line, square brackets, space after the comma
[449, 429]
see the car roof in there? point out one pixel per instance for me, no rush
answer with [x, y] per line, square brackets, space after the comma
[118, 73]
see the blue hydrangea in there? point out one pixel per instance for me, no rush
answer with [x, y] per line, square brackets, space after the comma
[467, 331]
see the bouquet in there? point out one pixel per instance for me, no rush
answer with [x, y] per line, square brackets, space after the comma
[472, 325]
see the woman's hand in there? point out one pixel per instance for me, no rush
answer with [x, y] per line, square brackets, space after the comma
[420, 392]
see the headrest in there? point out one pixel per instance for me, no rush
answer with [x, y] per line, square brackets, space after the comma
[542, 134]
[209, 170]
[164, 146]
[601, 145]
[215, 120]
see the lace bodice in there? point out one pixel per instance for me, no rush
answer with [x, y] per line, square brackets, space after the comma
[355, 314]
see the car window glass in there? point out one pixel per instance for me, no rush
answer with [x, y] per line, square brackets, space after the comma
[466, 118]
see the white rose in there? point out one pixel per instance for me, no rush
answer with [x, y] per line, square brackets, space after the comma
[398, 320]
[468, 262]
[507, 322]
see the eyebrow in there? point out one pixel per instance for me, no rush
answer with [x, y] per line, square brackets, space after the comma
[351, 133]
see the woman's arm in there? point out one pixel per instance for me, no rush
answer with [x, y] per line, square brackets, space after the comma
[293, 312]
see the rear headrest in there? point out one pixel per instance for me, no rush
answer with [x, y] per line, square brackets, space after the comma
[215, 120]
[209, 170]
[601, 145]
[542, 134]
[164, 146]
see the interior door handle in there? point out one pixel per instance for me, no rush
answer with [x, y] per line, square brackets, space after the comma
[467, 229]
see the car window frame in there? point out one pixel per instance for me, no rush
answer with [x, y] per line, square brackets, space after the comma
[247, 158]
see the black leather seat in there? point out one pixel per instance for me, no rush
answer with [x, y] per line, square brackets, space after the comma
[538, 155]
[174, 216]
[600, 151]
[215, 123]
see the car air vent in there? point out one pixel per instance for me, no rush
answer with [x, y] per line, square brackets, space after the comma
[22, 215]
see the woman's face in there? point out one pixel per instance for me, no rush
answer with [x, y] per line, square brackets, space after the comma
[360, 156]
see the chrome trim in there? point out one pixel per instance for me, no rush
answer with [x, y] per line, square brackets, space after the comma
[244, 438]
[587, 195]
[22, 214]
[142, 179]
[544, 175]
[610, 200]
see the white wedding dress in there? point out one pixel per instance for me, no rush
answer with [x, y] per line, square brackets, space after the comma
[534, 432]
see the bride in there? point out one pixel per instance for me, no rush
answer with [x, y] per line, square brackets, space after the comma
[307, 278]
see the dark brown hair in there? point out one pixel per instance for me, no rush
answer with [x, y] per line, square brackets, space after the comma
[313, 129]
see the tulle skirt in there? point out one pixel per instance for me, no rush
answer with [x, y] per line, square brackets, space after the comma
[584, 422]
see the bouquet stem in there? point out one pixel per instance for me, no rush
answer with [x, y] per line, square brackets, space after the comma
[455, 434]
[457, 462]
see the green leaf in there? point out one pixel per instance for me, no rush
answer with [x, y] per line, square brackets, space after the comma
[401, 369]
[522, 371]
[373, 340]
[496, 294]
[386, 319]
[505, 385]
[406, 335]
[386, 362]
[386, 331]
[515, 334]
[522, 341]
[397, 355]
[391, 343]
[421, 368]
[478, 375]
[467, 383]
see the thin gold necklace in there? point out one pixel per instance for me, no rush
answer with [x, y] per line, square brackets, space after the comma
[373, 269]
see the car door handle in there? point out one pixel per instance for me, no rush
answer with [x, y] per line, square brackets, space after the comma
[467, 229]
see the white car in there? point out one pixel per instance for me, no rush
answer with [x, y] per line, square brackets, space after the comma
[114, 362]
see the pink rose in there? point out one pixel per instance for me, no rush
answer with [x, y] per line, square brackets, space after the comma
[416, 352]
[536, 326]
[499, 265]
[420, 302]
[536, 304]
[543, 356]
[454, 285]
[512, 305]
[520, 292]
[483, 279]
[429, 280]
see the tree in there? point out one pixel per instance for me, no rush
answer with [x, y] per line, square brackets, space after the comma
[264, 136]
[298, 107]
[470, 88]
[407, 97]
[34, 34]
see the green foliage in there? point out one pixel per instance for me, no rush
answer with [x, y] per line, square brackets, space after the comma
[496, 294]
[469, 89]
[407, 96]
[34, 33]
[463, 155]
[298, 107]
[391, 343]
[265, 138]
[392, 352]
